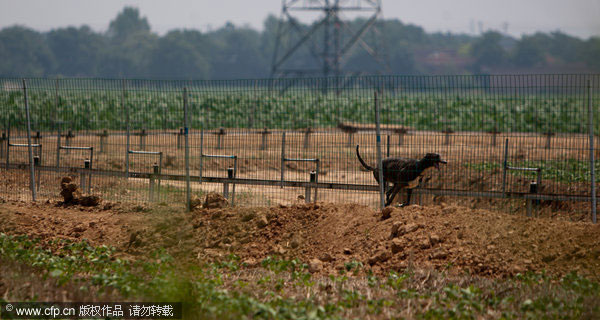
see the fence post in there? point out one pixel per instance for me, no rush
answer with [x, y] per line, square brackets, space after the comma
[307, 189]
[188, 191]
[220, 136]
[8, 145]
[307, 133]
[143, 135]
[58, 133]
[37, 139]
[160, 164]
[533, 189]
[29, 148]
[36, 163]
[226, 184]
[128, 128]
[282, 157]
[401, 132]
[316, 186]
[68, 139]
[263, 142]
[2, 144]
[592, 160]
[351, 137]
[103, 137]
[201, 153]
[253, 107]
[152, 178]
[379, 160]
[387, 145]
[549, 135]
[504, 167]
[91, 164]
[82, 176]
[179, 138]
[234, 176]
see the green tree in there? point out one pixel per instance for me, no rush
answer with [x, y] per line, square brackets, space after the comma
[180, 54]
[128, 23]
[237, 53]
[591, 53]
[24, 53]
[129, 47]
[565, 47]
[488, 51]
[77, 50]
[529, 52]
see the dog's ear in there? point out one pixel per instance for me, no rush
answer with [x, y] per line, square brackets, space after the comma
[432, 156]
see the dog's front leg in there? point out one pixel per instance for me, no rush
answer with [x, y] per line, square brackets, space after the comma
[393, 192]
[388, 192]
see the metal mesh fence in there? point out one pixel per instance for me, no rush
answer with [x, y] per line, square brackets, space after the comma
[265, 142]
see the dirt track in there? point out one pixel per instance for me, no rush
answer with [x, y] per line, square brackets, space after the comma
[444, 237]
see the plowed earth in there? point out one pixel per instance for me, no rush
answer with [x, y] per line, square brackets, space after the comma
[444, 237]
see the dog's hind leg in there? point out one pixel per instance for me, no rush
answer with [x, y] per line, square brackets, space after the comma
[393, 193]
[408, 194]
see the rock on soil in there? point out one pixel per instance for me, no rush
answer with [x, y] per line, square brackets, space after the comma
[315, 265]
[89, 201]
[214, 200]
[380, 256]
[411, 227]
[386, 213]
[195, 202]
[397, 245]
[72, 195]
[250, 263]
[262, 222]
[434, 239]
[395, 229]
[326, 257]
[439, 254]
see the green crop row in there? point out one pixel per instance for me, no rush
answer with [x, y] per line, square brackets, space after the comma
[566, 171]
[105, 109]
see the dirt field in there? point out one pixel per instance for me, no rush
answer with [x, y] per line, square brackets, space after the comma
[443, 237]
[474, 165]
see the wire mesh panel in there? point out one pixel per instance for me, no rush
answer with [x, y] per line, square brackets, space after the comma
[14, 162]
[281, 141]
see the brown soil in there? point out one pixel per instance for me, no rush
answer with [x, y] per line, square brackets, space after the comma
[444, 237]
[99, 225]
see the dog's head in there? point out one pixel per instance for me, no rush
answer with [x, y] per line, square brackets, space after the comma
[433, 160]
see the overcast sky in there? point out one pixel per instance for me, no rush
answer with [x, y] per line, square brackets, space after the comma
[517, 17]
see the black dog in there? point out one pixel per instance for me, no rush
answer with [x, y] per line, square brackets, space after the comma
[403, 173]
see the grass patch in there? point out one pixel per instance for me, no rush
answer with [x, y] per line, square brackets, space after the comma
[284, 289]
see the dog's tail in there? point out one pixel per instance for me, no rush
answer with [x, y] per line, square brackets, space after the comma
[364, 164]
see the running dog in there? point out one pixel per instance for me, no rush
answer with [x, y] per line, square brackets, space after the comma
[403, 173]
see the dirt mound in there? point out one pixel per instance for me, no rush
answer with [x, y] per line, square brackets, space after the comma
[214, 200]
[329, 237]
[72, 195]
[442, 237]
[46, 221]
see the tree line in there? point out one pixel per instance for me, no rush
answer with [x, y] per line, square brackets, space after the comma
[130, 49]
